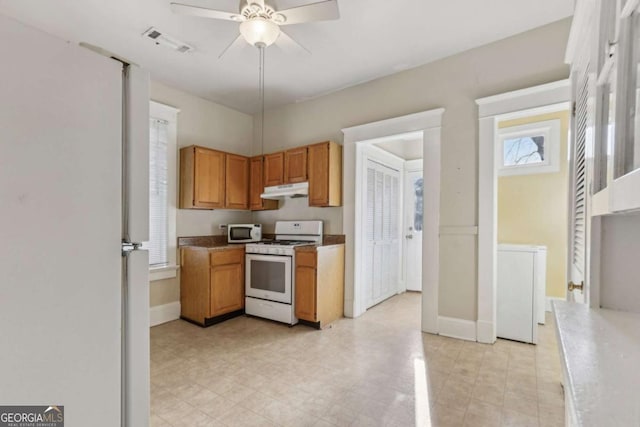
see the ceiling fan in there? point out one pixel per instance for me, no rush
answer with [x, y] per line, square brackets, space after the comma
[260, 22]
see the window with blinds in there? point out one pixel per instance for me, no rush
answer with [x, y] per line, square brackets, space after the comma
[158, 193]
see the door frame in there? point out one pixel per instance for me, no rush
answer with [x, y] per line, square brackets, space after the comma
[409, 167]
[491, 110]
[429, 123]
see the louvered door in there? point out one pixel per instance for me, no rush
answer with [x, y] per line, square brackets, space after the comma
[581, 143]
[382, 249]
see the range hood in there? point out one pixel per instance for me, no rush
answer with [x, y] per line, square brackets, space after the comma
[300, 189]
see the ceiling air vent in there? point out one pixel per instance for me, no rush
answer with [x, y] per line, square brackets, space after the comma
[160, 38]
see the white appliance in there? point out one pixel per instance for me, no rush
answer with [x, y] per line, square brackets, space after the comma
[74, 299]
[244, 233]
[521, 290]
[277, 192]
[270, 277]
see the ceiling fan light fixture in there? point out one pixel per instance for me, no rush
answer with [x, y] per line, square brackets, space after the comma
[260, 32]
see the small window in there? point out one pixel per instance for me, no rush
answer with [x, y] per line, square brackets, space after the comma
[531, 148]
[528, 150]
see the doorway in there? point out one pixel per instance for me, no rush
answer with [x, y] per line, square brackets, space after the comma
[413, 224]
[355, 140]
[393, 241]
[492, 110]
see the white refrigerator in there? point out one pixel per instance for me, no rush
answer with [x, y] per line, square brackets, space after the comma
[74, 289]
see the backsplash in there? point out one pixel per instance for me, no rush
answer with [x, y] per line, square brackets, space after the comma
[298, 209]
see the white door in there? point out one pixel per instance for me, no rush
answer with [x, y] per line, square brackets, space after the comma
[382, 250]
[61, 228]
[413, 213]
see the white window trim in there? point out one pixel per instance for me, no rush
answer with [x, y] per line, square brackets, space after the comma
[170, 114]
[550, 129]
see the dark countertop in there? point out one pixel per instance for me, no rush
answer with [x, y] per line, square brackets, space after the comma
[220, 242]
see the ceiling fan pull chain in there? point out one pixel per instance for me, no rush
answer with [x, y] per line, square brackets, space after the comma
[261, 89]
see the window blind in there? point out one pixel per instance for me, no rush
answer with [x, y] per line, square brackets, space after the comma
[158, 191]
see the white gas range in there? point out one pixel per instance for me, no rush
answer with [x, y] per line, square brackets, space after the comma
[270, 278]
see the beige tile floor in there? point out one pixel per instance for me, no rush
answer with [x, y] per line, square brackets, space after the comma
[377, 370]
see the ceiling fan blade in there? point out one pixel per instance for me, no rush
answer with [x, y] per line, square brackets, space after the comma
[321, 11]
[234, 44]
[203, 12]
[289, 45]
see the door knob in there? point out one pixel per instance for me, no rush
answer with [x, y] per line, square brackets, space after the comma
[409, 236]
[572, 286]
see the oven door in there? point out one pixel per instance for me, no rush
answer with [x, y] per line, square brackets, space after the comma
[268, 277]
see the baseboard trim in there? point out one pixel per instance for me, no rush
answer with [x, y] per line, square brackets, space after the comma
[164, 313]
[486, 332]
[547, 306]
[457, 328]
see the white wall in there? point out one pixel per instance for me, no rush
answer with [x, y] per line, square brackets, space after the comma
[527, 59]
[201, 122]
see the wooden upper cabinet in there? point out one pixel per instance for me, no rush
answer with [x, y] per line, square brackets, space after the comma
[256, 187]
[202, 178]
[325, 174]
[274, 169]
[295, 165]
[237, 182]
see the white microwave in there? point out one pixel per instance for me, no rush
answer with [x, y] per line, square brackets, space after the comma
[244, 233]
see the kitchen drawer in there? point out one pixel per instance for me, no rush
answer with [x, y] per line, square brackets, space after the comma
[306, 259]
[226, 256]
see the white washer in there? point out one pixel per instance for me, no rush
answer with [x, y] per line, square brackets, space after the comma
[521, 291]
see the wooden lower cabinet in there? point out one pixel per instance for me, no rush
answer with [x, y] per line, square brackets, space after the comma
[226, 295]
[306, 286]
[211, 284]
[319, 284]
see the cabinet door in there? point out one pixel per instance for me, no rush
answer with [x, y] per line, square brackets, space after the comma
[295, 165]
[227, 288]
[306, 293]
[274, 169]
[237, 182]
[256, 187]
[209, 178]
[325, 174]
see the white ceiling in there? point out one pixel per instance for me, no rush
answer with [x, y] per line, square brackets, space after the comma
[405, 148]
[373, 38]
